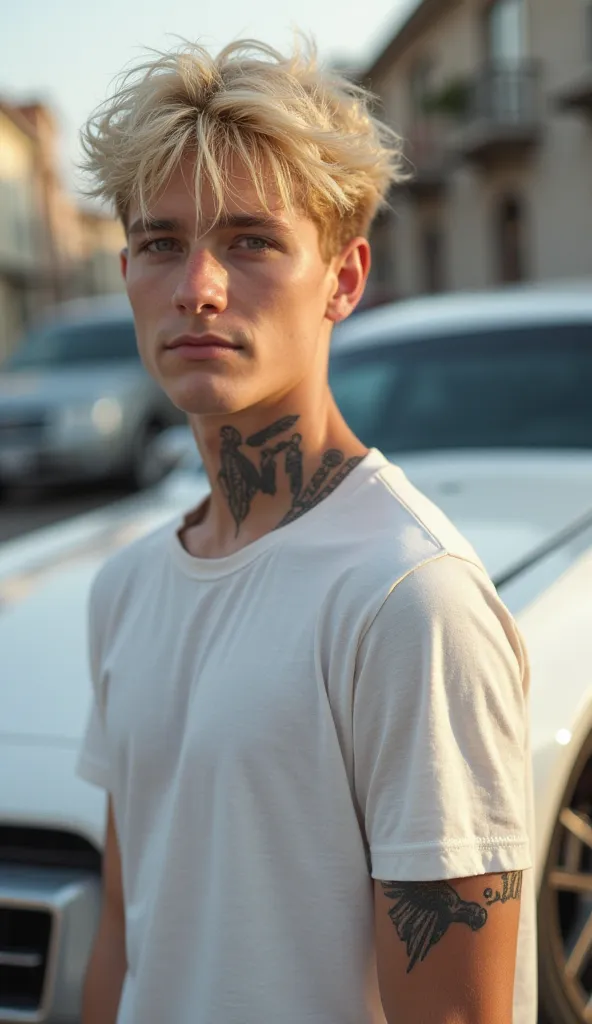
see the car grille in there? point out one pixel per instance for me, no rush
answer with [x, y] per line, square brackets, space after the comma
[24, 427]
[24, 948]
[20, 844]
[49, 909]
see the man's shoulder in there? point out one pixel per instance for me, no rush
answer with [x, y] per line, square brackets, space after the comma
[121, 570]
[393, 528]
[370, 544]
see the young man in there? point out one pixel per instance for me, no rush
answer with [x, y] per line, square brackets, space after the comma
[310, 704]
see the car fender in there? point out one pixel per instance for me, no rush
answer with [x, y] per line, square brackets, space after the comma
[558, 637]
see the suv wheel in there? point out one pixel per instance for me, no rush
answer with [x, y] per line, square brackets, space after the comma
[565, 905]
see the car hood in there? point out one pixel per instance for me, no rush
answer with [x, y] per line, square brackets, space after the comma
[45, 580]
[509, 505]
[506, 506]
[46, 389]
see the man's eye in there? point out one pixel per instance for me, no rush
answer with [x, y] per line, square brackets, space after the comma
[159, 245]
[254, 243]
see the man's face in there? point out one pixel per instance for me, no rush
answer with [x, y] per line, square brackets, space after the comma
[255, 284]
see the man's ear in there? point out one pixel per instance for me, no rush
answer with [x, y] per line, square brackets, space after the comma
[352, 267]
[123, 256]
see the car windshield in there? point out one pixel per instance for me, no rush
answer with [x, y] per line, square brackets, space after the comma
[512, 388]
[62, 344]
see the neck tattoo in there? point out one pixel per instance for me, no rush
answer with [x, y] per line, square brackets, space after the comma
[240, 478]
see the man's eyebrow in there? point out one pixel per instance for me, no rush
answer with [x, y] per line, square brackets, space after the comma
[225, 222]
[250, 220]
[141, 227]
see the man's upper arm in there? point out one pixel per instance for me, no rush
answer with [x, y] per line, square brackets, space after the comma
[93, 758]
[442, 780]
[113, 903]
[446, 951]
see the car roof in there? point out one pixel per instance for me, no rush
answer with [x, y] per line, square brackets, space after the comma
[407, 320]
[97, 310]
[466, 313]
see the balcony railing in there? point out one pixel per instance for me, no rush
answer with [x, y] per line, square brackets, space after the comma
[504, 116]
[578, 95]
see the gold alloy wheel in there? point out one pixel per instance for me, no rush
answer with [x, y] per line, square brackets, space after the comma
[565, 905]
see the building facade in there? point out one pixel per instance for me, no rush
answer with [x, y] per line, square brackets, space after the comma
[25, 256]
[51, 249]
[493, 99]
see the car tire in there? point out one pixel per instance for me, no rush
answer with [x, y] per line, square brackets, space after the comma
[146, 468]
[565, 904]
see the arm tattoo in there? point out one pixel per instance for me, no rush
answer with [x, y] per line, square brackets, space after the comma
[511, 889]
[424, 911]
[240, 479]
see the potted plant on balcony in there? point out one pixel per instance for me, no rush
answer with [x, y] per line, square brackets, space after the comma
[451, 100]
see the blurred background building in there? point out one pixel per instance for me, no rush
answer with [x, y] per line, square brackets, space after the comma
[494, 101]
[51, 248]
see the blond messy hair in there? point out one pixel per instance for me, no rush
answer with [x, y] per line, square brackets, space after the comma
[308, 128]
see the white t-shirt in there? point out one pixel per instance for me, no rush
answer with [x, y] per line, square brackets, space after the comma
[344, 698]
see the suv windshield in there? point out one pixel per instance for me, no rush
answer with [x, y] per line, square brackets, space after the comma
[519, 387]
[61, 344]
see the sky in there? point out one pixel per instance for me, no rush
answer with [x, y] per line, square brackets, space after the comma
[68, 53]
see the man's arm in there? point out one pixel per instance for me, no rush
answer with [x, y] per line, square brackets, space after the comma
[108, 963]
[446, 951]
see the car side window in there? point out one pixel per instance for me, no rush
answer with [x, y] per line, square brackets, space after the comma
[366, 393]
[518, 387]
[63, 344]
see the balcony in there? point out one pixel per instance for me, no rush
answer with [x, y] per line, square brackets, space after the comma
[578, 95]
[504, 119]
[429, 159]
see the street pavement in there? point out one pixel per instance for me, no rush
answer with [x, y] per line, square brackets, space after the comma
[24, 510]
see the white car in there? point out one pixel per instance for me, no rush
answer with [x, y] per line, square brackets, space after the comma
[486, 402]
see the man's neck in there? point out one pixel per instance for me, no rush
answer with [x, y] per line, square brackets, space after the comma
[266, 470]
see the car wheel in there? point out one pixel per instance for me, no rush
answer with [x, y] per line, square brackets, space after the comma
[147, 467]
[565, 905]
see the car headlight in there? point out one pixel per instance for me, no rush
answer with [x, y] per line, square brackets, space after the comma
[105, 416]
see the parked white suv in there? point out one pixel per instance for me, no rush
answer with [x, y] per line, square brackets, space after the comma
[486, 403]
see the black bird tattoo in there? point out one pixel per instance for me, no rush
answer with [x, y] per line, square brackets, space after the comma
[424, 911]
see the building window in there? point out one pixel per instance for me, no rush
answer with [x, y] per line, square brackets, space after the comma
[505, 32]
[432, 259]
[510, 241]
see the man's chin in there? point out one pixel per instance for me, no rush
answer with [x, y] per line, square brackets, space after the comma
[208, 399]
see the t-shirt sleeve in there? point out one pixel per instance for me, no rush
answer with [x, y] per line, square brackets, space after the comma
[93, 761]
[440, 729]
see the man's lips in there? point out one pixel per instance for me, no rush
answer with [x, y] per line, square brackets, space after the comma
[202, 346]
[201, 341]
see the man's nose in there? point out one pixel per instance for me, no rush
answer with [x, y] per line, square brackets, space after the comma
[203, 286]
